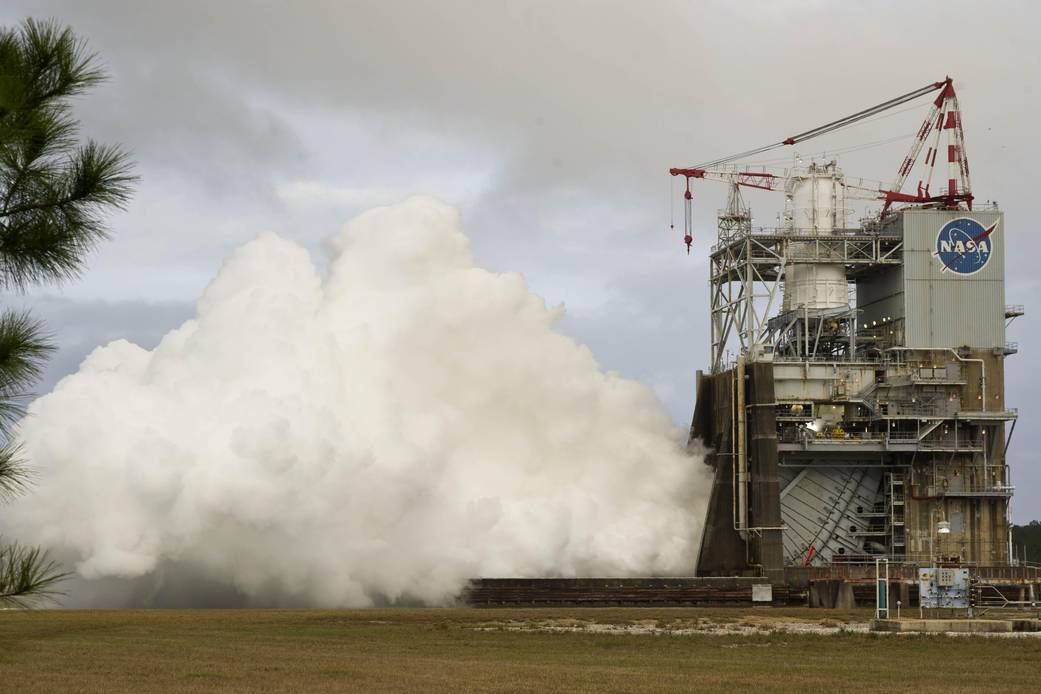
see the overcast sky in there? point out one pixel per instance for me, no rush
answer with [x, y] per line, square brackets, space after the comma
[550, 124]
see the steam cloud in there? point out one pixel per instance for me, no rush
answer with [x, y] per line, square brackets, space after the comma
[378, 436]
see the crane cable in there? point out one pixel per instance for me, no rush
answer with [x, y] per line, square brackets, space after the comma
[828, 127]
[836, 151]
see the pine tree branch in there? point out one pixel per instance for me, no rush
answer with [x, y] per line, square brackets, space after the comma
[53, 198]
[15, 477]
[40, 153]
[24, 349]
[27, 575]
[56, 61]
[59, 216]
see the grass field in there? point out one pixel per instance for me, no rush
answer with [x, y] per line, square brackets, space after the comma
[461, 650]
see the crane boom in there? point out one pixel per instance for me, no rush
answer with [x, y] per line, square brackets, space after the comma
[829, 127]
[944, 115]
[750, 179]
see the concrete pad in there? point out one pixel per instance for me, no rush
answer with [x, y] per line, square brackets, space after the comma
[1026, 625]
[943, 626]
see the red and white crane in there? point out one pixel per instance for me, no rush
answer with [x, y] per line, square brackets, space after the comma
[945, 115]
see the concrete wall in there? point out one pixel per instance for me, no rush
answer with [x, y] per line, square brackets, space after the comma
[722, 551]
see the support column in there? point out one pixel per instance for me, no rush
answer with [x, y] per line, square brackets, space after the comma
[765, 487]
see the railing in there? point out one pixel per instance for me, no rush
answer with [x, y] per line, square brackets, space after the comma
[1005, 412]
[900, 436]
[1027, 564]
[803, 435]
[988, 597]
[921, 407]
[827, 359]
[935, 444]
[943, 408]
[948, 376]
[955, 445]
[890, 335]
[808, 234]
[896, 438]
[970, 490]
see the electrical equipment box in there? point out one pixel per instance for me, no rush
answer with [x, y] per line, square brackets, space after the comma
[943, 587]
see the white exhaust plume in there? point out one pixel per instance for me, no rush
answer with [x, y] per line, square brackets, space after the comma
[377, 437]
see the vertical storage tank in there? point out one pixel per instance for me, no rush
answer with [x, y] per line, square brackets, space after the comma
[818, 207]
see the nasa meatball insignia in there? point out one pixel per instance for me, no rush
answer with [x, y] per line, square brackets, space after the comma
[964, 245]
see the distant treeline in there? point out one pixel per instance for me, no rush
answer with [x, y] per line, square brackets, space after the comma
[1027, 541]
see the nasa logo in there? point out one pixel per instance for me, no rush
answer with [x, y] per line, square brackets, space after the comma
[964, 245]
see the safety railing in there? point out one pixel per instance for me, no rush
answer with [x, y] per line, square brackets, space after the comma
[995, 489]
[804, 234]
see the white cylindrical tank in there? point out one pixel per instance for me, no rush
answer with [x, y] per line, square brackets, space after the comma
[818, 207]
[818, 200]
[815, 285]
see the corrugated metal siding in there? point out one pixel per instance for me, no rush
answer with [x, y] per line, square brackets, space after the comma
[945, 309]
[881, 296]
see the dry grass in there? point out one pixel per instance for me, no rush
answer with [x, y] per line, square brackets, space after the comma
[462, 650]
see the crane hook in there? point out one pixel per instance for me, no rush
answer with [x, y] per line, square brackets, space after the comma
[688, 234]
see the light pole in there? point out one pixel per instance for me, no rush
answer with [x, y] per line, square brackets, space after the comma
[943, 527]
